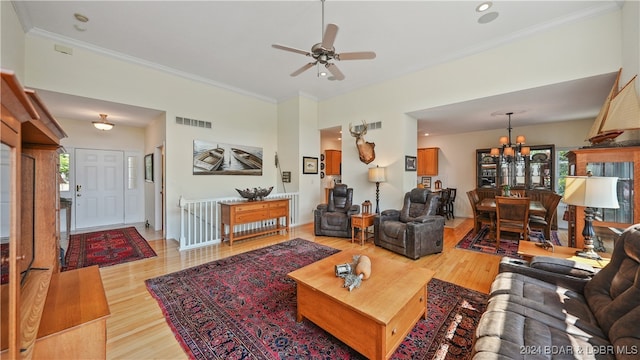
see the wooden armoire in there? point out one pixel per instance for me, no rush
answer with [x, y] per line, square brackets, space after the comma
[42, 312]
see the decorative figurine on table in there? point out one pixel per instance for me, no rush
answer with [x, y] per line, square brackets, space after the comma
[354, 273]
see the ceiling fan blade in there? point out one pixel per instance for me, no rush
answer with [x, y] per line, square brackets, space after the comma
[329, 36]
[303, 69]
[333, 69]
[359, 55]
[286, 48]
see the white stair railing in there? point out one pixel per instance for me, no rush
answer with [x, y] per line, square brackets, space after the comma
[200, 219]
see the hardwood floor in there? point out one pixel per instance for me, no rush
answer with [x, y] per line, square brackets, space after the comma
[137, 329]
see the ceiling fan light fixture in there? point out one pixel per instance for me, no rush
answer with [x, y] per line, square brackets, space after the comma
[324, 52]
[103, 124]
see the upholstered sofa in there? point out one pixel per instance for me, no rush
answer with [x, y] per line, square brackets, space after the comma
[552, 308]
[415, 230]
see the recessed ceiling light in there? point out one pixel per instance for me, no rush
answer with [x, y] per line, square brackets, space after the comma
[80, 17]
[426, 134]
[484, 6]
[488, 17]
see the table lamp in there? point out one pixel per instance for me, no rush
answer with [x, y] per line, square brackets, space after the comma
[592, 192]
[377, 175]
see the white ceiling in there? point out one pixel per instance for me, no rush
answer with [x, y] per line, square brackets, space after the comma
[228, 44]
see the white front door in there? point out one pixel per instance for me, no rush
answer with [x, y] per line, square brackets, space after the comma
[99, 188]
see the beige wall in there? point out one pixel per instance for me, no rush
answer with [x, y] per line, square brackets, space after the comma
[12, 41]
[589, 47]
[581, 49]
[236, 118]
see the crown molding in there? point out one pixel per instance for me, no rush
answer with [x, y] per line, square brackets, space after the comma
[137, 61]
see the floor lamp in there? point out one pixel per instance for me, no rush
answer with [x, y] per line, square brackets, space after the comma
[592, 192]
[377, 176]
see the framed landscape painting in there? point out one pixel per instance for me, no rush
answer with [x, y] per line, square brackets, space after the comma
[226, 159]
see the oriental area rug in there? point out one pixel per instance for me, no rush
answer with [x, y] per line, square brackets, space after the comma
[244, 306]
[106, 248]
[482, 242]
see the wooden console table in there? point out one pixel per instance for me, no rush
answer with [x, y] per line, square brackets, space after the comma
[232, 214]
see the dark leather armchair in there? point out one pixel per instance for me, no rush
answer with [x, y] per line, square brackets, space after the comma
[415, 230]
[334, 218]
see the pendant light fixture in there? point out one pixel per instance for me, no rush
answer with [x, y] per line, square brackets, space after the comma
[103, 124]
[511, 151]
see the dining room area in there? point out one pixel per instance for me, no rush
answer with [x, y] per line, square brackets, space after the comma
[526, 204]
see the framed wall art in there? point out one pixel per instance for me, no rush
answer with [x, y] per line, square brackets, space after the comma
[226, 159]
[309, 165]
[286, 176]
[148, 168]
[426, 182]
[409, 163]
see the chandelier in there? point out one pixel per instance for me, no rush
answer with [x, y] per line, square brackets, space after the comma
[103, 124]
[511, 151]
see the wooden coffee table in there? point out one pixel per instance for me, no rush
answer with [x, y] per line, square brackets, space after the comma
[373, 319]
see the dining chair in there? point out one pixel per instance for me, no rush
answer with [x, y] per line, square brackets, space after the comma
[479, 217]
[550, 202]
[512, 215]
[450, 202]
[442, 204]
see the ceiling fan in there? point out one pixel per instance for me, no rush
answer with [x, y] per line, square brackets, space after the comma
[324, 52]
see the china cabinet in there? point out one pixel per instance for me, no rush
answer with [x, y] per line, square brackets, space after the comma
[427, 164]
[530, 172]
[621, 162]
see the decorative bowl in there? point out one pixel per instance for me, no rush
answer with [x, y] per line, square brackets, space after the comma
[255, 193]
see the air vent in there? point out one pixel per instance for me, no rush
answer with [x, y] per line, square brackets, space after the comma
[370, 126]
[193, 122]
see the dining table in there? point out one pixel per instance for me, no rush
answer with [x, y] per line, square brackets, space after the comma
[489, 205]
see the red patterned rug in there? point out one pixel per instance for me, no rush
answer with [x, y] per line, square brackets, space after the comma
[244, 306]
[508, 244]
[106, 248]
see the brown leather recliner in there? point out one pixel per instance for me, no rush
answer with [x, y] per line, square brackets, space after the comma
[564, 309]
[334, 218]
[415, 230]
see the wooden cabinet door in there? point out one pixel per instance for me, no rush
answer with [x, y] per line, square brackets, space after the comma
[427, 162]
[334, 162]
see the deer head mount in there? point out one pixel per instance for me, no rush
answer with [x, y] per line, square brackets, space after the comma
[365, 148]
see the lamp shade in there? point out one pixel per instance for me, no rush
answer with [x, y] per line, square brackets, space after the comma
[591, 191]
[495, 152]
[508, 151]
[377, 174]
